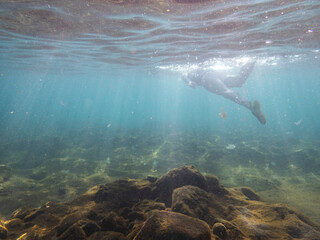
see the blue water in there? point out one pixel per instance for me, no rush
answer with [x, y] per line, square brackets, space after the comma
[36, 102]
[95, 89]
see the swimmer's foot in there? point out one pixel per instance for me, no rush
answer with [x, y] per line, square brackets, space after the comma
[256, 111]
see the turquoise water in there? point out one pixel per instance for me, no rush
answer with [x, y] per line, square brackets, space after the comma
[44, 102]
[93, 92]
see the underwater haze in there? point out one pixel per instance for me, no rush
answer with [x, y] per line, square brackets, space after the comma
[92, 91]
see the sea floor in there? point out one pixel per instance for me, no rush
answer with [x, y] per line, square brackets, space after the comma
[281, 169]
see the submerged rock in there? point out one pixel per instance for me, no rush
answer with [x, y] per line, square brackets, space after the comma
[113, 222]
[73, 233]
[178, 177]
[124, 193]
[165, 225]
[214, 185]
[191, 201]
[250, 194]
[108, 236]
[220, 230]
[136, 210]
[3, 232]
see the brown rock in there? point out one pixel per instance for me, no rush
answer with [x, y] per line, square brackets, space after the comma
[23, 212]
[151, 179]
[232, 231]
[57, 209]
[148, 205]
[14, 224]
[32, 215]
[134, 230]
[249, 193]
[178, 177]
[124, 212]
[89, 227]
[220, 230]
[136, 216]
[107, 236]
[73, 233]
[191, 201]
[68, 221]
[113, 222]
[44, 220]
[165, 225]
[3, 232]
[214, 185]
[124, 193]
[97, 212]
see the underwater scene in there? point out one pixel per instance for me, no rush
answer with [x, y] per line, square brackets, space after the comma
[174, 119]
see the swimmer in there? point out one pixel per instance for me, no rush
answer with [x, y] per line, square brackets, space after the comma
[215, 83]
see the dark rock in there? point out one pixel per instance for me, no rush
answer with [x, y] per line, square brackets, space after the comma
[96, 212]
[107, 236]
[23, 212]
[73, 233]
[57, 209]
[3, 232]
[220, 230]
[45, 220]
[14, 224]
[113, 222]
[165, 225]
[136, 216]
[124, 193]
[89, 227]
[249, 193]
[148, 205]
[29, 224]
[68, 221]
[92, 215]
[178, 177]
[232, 231]
[31, 235]
[134, 230]
[32, 215]
[214, 185]
[191, 201]
[124, 212]
[281, 211]
[151, 179]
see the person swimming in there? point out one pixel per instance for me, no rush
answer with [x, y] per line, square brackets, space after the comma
[215, 83]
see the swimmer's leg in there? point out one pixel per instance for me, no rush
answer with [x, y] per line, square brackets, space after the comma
[256, 111]
[254, 106]
[238, 81]
[236, 97]
[218, 87]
